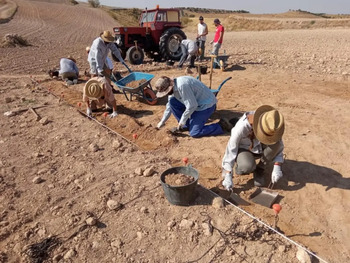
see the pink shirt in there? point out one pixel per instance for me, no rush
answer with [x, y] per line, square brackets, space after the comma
[219, 29]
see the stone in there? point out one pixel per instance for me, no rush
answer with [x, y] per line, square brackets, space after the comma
[218, 202]
[70, 253]
[139, 235]
[117, 243]
[57, 258]
[93, 147]
[44, 121]
[139, 171]
[187, 224]
[144, 210]
[37, 180]
[8, 100]
[91, 221]
[113, 205]
[171, 224]
[207, 229]
[282, 248]
[117, 144]
[303, 256]
[148, 172]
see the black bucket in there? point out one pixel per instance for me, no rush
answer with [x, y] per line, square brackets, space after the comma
[184, 194]
[203, 69]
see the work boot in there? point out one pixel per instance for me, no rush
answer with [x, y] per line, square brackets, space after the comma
[225, 125]
[258, 176]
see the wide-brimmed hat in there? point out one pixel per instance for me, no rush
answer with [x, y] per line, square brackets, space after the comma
[71, 58]
[268, 124]
[107, 36]
[163, 86]
[93, 89]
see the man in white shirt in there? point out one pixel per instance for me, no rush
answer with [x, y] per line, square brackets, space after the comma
[99, 52]
[202, 32]
[189, 50]
[256, 135]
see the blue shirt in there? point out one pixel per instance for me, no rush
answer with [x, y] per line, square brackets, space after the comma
[194, 95]
[67, 65]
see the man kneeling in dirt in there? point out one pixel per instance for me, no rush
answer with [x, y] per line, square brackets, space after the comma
[97, 92]
[192, 104]
[69, 71]
[256, 135]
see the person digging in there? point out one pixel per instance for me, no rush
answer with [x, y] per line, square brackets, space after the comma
[69, 71]
[256, 135]
[97, 93]
[192, 104]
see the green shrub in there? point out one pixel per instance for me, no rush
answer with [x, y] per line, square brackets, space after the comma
[73, 2]
[94, 3]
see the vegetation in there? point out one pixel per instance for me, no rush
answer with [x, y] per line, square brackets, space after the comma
[94, 3]
[73, 2]
[310, 13]
[209, 10]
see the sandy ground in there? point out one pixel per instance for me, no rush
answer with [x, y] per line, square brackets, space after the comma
[304, 73]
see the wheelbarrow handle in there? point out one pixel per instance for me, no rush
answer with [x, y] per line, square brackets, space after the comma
[130, 71]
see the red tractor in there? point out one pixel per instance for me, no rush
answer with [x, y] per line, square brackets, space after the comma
[159, 36]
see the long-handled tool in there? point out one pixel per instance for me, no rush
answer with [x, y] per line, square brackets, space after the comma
[211, 68]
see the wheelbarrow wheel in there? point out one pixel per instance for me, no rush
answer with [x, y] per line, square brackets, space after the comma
[150, 96]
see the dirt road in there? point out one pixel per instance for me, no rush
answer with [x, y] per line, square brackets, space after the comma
[304, 73]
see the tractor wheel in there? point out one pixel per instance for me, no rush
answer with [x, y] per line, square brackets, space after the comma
[135, 55]
[169, 43]
[122, 52]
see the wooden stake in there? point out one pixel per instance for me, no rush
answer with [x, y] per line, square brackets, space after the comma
[211, 68]
[38, 118]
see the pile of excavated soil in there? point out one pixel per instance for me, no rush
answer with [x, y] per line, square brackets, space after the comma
[178, 179]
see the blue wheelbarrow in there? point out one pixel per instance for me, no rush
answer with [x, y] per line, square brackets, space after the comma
[144, 88]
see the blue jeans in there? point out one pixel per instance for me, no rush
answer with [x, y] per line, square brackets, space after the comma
[196, 123]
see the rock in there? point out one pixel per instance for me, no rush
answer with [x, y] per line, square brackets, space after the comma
[57, 258]
[44, 121]
[93, 147]
[113, 205]
[148, 172]
[188, 71]
[303, 256]
[139, 235]
[37, 180]
[218, 202]
[8, 100]
[70, 253]
[187, 224]
[117, 144]
[207, 229]
[117, 243]
[282, 248]
[91, 221]
[171, 224]
[139, 171]
[144, 210]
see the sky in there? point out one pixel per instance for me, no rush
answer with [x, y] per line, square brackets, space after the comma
[253, 6]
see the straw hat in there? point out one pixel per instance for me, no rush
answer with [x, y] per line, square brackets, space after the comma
[71, 58]
[163, 87]
[93, 89]
[268, 125]
[107, 36]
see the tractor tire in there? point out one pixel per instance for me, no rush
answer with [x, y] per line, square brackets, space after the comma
[122, 52]
[135, 55]
[169, 43]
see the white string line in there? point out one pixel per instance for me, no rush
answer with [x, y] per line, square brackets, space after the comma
[261, 222]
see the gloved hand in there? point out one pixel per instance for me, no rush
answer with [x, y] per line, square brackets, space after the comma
[114, 114]
[227, 183]
[89, 112]
[160, 124]
[276, 173]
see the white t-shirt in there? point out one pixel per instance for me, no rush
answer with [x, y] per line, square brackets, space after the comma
[201, 30]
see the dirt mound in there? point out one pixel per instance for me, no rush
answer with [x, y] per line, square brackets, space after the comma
[14, 40]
